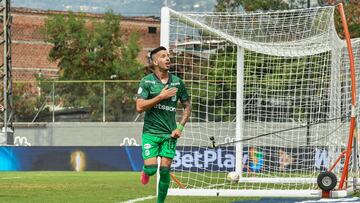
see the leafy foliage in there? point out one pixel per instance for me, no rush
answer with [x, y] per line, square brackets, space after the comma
[278, 77]
[250, 5]
[352, 13]
[351, 7]
[93, 50]
[27, 103]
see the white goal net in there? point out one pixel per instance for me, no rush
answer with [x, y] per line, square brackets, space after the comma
[271, 101]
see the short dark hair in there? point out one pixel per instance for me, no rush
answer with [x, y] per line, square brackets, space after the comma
[154, 51]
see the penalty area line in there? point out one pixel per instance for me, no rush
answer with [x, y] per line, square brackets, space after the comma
[7, 178]
[140, 199]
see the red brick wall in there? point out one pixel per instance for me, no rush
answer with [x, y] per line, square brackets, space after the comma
[30, 52]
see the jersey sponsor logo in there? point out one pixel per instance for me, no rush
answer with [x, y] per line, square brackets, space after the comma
[175, 83]
[147, 146]
[140, 90]
[164, 107]
[150, 81]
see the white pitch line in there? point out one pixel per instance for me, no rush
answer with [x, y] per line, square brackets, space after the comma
[340, 200]
[6, 178]
[140, 199]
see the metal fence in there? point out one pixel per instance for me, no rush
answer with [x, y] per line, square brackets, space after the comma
[80, 101]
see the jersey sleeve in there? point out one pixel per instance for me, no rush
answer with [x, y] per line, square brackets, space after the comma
[183, 95]
[143, 91]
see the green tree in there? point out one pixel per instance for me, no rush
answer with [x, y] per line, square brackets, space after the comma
[272, 77]
[27, 103]
[352, 13]
[250, 5]
[351, 7]
[93, 50]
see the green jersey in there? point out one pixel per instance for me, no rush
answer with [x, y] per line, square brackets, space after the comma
[160, 119]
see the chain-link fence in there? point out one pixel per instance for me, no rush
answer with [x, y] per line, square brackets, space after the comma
[75, 101]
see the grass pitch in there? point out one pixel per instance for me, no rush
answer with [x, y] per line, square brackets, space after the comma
[85, 187]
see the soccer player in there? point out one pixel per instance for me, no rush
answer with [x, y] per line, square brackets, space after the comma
[158, 96]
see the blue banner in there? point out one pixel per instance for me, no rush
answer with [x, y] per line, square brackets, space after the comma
[70, 159]
[128, 158]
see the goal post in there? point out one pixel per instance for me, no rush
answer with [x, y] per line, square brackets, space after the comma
[239, 108]
[344, 174]
[273, 99]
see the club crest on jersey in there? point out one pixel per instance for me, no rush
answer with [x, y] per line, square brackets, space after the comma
[140, 90]
[173, 98]
[147, 146]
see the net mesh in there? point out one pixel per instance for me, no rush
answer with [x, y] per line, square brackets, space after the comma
[278, 81]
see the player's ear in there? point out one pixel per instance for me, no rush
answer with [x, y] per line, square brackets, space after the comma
[154, 61]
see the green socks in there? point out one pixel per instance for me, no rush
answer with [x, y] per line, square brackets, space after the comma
[164, 180]
[150, 169]
[163, 183]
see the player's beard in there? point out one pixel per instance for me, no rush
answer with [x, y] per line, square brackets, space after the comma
[164, 69]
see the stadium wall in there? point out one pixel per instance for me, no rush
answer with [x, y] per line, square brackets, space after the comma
[129, 133]
[116, 147]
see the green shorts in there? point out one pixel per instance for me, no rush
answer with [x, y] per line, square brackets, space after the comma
[153, 146]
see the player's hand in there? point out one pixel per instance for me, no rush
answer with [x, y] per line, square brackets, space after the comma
[167, 92]
[176, 133]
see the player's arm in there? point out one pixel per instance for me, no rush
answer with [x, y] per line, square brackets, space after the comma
[184, 118]
[146, 104]
[186, 113]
